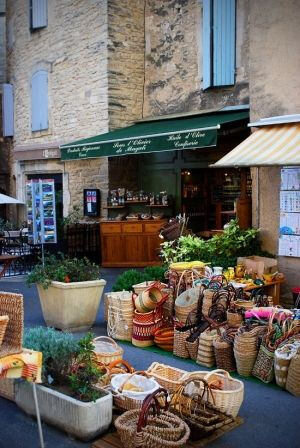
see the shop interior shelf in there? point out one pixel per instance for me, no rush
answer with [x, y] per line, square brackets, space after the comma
[158, 205]
[114, 206]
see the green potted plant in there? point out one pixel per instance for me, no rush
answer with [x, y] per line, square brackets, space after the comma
[70, 292]
[68, 398]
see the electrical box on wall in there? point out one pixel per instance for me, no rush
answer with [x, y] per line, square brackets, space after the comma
[91, 202]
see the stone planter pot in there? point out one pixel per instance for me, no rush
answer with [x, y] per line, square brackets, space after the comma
[84, 421]
[71, 306]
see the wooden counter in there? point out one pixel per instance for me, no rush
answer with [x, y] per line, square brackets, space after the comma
[130, 243]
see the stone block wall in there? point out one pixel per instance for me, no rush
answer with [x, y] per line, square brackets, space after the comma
[73, 49]
[173, 59]
[2, 42]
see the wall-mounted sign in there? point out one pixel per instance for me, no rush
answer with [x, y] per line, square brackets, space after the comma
[41, 217]
[91, 202]
[289, 241]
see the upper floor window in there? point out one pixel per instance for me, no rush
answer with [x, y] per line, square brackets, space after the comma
[38, 14]
[39, 101]
[218, 43]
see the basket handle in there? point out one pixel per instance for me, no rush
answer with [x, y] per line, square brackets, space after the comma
[138, 372]
[121, 362]
[221, 371]
[151, 401]
[105, 338]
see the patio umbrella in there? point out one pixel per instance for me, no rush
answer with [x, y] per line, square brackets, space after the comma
[8, 200]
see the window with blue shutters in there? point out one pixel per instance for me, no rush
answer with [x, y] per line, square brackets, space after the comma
[218, 43]
[39, 101]
[38, 14]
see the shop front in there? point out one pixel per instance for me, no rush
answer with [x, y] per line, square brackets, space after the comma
[160, 168]
[273, 153]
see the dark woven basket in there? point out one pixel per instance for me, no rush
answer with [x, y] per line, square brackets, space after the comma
[224, 355]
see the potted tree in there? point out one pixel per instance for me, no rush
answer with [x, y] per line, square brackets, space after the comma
[68, 398]
[70, 292]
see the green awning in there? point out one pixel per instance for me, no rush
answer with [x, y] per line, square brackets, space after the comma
[162, 135]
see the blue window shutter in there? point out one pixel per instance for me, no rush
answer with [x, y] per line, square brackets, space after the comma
[223, 42]
[39, 14]
[39, 101]
[8, 110]
[207, 43]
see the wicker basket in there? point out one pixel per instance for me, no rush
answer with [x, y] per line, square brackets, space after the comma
[207, 301]
[168, 377]
[224, 355]
[143, 333]
[11, 305]
[121, 300]
[293, 378]
[283, 357]
[230, 398]
[180, 335]
[119, 324]
[205, 354]
[185, 303]
[127, 400]
[245, 352]
[3, 324]
[150, 298]
[234, 319]
[168, 306]
[107, 350]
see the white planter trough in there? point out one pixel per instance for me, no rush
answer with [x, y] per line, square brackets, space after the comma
[82, 420]
[71, 306]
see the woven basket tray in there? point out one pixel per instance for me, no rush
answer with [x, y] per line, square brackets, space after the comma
[168, 377]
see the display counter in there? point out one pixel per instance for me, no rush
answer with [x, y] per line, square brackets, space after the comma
[132, 243]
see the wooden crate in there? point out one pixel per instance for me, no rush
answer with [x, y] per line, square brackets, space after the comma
[112, 440]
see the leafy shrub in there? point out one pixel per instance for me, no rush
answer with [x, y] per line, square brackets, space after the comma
[58, 348]
[220, 250]
[63, 269]
[127, 279]
[66, 362]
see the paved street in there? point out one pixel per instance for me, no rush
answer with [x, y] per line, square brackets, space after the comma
[271, 415]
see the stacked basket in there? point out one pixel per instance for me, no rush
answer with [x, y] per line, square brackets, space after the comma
[205, 355]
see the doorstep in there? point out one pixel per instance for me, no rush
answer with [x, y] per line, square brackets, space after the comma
[112, 440]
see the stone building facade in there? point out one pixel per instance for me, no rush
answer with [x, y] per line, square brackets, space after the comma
[109, 63]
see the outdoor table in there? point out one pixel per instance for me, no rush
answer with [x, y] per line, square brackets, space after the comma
[26, 365]
[270, 288]
[6, 260]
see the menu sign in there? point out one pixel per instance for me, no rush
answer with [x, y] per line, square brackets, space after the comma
[289, 241]
[41, 217]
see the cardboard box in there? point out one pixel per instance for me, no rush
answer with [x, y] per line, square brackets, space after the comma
[260, 265]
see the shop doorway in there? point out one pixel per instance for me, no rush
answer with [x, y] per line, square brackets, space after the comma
[209, 197]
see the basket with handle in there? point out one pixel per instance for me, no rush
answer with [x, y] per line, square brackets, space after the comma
[293, 377]
[152, 426]
[168, 377]
[190, 402]
[107, 350]
[150, 298]
[282, 359]
[132, 399]
[223, 351]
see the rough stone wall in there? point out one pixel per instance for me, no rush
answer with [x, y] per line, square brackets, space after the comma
[274, 90]
[73, 49]
[173, 67]
[126, 54]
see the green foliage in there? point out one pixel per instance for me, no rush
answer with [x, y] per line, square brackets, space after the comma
[84, 371]
[58, 348]
[73, 217]
[127, 279]
[63, 269]
[66, 362]
[221, 250]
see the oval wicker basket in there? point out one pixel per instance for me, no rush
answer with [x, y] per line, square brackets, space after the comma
[167, 376]
[107, 350]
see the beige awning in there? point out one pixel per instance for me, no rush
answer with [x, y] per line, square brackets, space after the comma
[268, 146]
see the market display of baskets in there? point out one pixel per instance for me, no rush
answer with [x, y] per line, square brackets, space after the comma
[223, 351]
[185, 303]
[205, 354]
[293, 377]
[107, 350]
